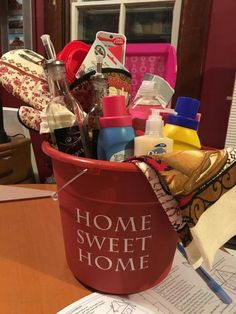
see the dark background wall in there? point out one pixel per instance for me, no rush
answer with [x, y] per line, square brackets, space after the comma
[219, 73]
[192, 45]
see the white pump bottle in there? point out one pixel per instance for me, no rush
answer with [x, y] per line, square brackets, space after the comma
[153, 141]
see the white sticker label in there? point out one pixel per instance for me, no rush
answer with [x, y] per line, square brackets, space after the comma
[121, 155]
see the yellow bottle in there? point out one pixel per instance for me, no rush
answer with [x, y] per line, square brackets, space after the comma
[182, 127]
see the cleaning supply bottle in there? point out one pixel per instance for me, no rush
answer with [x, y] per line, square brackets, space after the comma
[116, 136]
[153, 141]
[182, 127]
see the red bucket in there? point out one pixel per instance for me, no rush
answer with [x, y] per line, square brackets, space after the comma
[117, 237]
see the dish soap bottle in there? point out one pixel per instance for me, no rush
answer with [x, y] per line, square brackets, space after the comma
[153, 141]
[64, 114]
[116, 136]
[182, 127]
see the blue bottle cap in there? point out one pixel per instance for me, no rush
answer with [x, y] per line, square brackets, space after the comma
[187, 109]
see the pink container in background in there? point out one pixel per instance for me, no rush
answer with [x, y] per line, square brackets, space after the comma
[155, 58]
[152, 58]
[117, 237]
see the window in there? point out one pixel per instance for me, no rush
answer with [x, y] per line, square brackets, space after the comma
[146, 21]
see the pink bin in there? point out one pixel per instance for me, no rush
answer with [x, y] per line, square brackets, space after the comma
[155, 58]
[117, 237]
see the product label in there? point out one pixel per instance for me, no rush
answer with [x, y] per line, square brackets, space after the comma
[121, 155]
[160, 148]
[69, 141]
[89, 63]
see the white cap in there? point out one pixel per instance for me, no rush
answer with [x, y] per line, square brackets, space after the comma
[154, 123]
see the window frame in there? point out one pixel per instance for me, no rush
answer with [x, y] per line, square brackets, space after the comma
[123, 4]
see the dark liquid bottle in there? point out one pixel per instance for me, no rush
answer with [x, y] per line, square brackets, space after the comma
[100, 89]
[64, 114]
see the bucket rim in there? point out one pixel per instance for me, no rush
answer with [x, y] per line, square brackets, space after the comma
[87, 162]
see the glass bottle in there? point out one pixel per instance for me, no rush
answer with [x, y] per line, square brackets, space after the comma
[64, 114]
[100, 87]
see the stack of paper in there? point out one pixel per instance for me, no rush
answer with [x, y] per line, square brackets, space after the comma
[182, 292]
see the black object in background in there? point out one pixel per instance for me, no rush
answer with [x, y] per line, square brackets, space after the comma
[3, 136]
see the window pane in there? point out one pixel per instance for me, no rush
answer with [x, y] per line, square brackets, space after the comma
[149, 24]
[15, 25]
[93, 20]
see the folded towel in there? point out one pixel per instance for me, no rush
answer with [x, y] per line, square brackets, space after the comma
[201, 188]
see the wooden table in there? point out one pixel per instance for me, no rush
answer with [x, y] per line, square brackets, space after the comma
[34, 276]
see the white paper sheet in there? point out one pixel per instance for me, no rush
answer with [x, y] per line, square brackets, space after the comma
[97, 303]
[182, 292]
[13, 193]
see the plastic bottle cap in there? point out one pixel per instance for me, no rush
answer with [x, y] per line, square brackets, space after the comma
[186, 109]
[114, 112]
[154, 123]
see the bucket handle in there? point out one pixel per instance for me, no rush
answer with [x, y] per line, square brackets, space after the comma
[54, 195]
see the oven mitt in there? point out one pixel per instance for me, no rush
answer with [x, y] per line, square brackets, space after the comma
[22, 75]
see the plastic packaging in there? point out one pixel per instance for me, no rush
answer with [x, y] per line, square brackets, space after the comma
[153, 141]
[182, 127]
[116, 136]
[154, 93]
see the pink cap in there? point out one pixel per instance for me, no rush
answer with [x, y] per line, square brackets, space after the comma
[114, 112]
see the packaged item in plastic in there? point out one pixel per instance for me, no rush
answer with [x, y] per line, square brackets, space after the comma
[154, 93]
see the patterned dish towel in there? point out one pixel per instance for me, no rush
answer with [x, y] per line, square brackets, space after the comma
[198, 193]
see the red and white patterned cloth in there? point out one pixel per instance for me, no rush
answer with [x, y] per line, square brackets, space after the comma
[22, 75]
